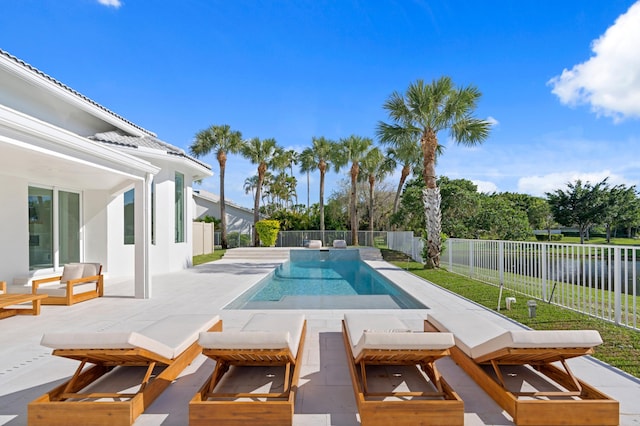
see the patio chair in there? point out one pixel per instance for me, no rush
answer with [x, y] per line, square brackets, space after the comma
[78, 282]
[106, 393]
[272, 341]
[384, 340]
[519, 369]
[339, 244]
[3, 287]
[315, 244]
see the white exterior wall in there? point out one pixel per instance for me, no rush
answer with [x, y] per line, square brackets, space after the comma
[14, 243]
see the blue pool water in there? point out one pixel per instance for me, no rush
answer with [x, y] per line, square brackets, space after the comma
[325, 279]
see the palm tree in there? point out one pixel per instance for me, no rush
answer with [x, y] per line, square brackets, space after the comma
[320, 156]
[375, 165]
[405, 151]
[353, 149]
[263, 153]
[223, 141]
[420, 114]
[250, 184]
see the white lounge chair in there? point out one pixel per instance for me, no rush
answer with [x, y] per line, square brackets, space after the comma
[374, 339]
[339, 244]
[272, 340]
[165, 348]
[315, 244]
[484, 350]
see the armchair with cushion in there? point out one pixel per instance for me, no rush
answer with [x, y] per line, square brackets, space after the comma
[78, 282]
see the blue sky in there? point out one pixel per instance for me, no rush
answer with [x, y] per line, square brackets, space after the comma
[561, 80]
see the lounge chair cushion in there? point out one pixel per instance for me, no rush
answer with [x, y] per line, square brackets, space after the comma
[540, 339]
[369, 331]
[315, 244]
[262, 331]
[168, 337]
[477, 336]
[339, 244]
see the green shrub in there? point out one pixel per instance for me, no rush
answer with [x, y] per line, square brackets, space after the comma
[268, 232]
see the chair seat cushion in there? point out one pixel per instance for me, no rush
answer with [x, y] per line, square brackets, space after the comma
[168, 337]
[388, 332]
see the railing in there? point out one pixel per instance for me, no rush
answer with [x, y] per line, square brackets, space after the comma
[402, 241]
[598, 280]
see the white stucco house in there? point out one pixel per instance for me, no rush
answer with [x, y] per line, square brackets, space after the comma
[239, 219]
[78, 182]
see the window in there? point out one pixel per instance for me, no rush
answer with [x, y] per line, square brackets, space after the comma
[179, 206]
[129, 217]
[49, 233]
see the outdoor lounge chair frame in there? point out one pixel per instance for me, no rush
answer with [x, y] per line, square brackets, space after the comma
[443, 408]
[67, 405]
[69, 298]
[211, 407]
[580, 404]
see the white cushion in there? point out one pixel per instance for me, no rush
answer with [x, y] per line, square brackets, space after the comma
[72, 271]
[315, 243]
[90, 269]
[105, 340]
[477, 336]
[168, 337]
[375, 331]
[245, 340]
[540, 339]
[339, 244]
[272, 329]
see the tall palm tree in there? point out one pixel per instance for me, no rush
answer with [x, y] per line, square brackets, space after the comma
[250, 184]
[375, 165]
[420, 114]
[223, 141]
[320, 156]
[353, 149]
[263, 153]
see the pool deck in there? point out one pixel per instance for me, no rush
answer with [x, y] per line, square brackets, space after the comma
[27, 369]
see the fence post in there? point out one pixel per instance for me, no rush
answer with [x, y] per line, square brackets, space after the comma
[501, 262]
[617, 284]
[470, 258]
[544, 270]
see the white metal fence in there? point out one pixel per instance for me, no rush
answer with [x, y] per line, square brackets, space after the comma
[598, 280]
[402, 241]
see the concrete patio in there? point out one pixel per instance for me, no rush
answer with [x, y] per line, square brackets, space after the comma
[325, 395]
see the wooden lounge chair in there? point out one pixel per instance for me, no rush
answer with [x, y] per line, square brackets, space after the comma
[375, 340]
[78, 282]
[267, 340]
[500, 360]
[165, 348]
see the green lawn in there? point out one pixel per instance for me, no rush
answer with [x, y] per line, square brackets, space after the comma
[621, 347]
[204, 258]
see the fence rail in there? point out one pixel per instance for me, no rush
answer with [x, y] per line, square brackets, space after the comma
[403, 241]
[598, 280]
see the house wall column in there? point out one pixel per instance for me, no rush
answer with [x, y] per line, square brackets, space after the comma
[142, 212]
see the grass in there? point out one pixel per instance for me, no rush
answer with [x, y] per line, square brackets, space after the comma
[621, 347]
[204, 258]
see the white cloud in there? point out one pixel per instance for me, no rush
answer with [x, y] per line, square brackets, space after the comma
[610, 80]
[111, 3]
[539, 185]
[485, 187]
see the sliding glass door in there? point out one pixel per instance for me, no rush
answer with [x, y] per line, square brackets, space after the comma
[54, 227]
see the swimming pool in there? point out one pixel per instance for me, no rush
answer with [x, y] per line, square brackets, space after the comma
[325, 279]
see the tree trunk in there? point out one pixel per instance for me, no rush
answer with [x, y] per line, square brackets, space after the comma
[353, 212]
[431, 199]
[222, 159]
[256, 205]
[371, 192]
[322, 172]
[406, 169]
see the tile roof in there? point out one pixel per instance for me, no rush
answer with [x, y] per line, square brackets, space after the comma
[120, 139]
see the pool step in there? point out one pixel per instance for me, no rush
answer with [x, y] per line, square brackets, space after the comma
[280, 253]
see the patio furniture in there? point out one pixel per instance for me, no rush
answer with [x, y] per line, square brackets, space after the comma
[9, 302]
[78, 282]
[271, 341]
[519, 369]
[3, 287]
[339, 244]
[384, 340]
[315, 244]
[154, 355]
